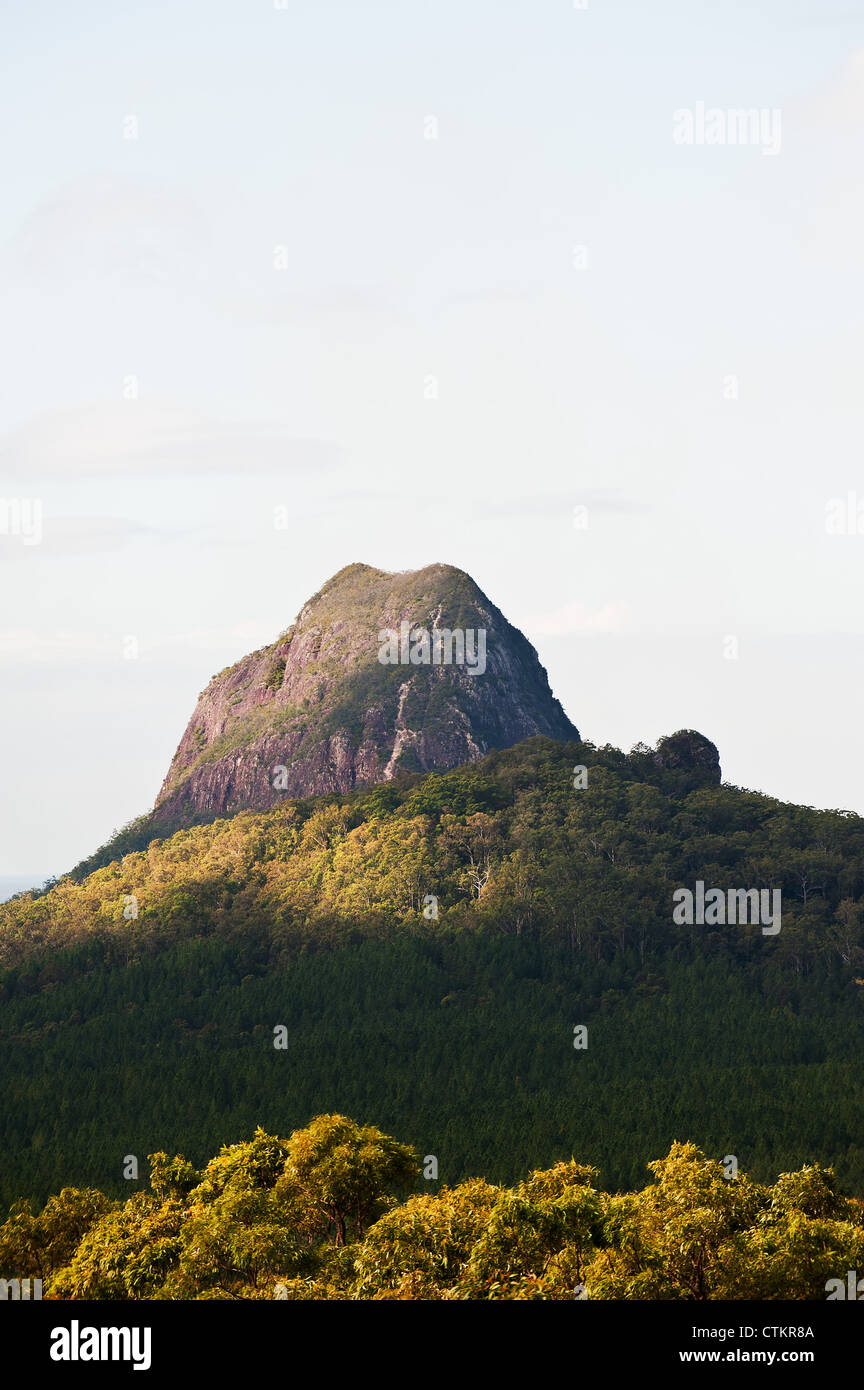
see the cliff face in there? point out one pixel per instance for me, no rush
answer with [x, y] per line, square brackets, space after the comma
[380, 674]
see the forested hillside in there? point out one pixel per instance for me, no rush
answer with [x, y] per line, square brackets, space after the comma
[319, 1216]
[139, 1004]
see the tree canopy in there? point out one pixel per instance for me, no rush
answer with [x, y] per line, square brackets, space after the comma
[326, 1214]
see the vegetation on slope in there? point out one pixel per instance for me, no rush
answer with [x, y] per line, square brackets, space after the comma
[316, 1216]
[124, 1033]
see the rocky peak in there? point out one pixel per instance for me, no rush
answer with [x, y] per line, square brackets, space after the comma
[380, 674]
[691, 752]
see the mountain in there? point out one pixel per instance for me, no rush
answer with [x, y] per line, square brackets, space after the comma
[426, 947]
[352, 694]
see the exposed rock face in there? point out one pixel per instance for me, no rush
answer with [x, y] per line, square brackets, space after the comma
[689, 751]
[320, 704]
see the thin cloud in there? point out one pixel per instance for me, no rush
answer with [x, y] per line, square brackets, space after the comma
[573, 618]
[129, 230]
[554, 507]
[132, 438]
[839, 102]
[88, 535]
[27, 645]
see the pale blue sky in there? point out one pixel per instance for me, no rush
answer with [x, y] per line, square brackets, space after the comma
[408, 258]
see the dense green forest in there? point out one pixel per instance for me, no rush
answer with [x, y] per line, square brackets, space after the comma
[319, 1216]
[139, 1000]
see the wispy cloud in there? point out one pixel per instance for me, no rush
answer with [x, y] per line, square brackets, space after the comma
[555, 506]
[129, 230]
[839, 102]
[137, 439]
[577, 617]
[26, 646]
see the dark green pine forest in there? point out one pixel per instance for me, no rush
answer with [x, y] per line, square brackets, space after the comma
[140, 994]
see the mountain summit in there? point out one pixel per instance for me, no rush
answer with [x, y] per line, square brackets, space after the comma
[380, 674]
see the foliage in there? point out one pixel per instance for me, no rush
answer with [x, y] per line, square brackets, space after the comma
[315, 1216]
[125, 1033]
